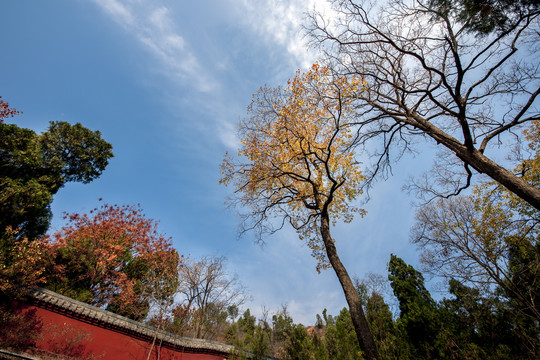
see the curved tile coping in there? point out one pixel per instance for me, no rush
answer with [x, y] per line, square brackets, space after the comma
[95, 313]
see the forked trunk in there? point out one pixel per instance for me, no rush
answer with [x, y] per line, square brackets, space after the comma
[355, 306]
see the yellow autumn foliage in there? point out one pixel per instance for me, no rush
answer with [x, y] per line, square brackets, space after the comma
[296, 159]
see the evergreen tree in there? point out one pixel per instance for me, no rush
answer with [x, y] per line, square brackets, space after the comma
[391, 342]
[298, 345]
[34, 167]
[420, 318]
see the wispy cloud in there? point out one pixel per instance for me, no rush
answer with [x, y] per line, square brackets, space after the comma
[280, 22]
[277, 24]
[153, 26]
[119, 12]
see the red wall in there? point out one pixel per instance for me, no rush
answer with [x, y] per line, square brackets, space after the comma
[77, 338]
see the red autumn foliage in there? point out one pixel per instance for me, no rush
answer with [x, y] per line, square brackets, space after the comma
[113, 257]
[21, 264]
[6, 111]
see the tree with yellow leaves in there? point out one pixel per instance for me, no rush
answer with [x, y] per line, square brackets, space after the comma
[297, 166]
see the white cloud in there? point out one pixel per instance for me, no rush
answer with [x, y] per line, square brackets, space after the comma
[160, 19]
[153, 27]
[276, 24]
[227, 135]
[280, 22]
[120, 13]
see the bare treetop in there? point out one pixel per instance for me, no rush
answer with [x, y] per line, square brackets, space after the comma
[427, 75]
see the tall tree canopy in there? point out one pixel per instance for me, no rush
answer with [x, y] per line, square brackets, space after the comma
[483, 17]
[297, 166]
[427, 75]
[34, 167]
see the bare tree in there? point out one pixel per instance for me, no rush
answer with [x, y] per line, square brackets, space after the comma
[485, 243]
[489, 239]
[209, 291]
[427, 75]
[159, 287]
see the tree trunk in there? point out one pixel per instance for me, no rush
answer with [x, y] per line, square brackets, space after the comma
[509, 180]
[153, 341]
[355, 306]
[481, 163]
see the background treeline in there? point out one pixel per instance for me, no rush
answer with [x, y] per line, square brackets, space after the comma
[465, 324]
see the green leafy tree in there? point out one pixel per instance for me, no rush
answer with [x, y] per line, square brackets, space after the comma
[483, 327]
[390, 339]
[419, 316]
[346, 340]
[483, 17]
[260, 342]
[281, 325]
[247, 323]
[468, 325]
[34, 167]
[251, 339]
[298, 345]
[319, 350]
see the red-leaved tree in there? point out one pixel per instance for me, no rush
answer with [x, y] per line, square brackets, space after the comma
[113, 257]
[6, 111]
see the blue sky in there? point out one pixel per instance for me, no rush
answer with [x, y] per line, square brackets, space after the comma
[166, 82]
